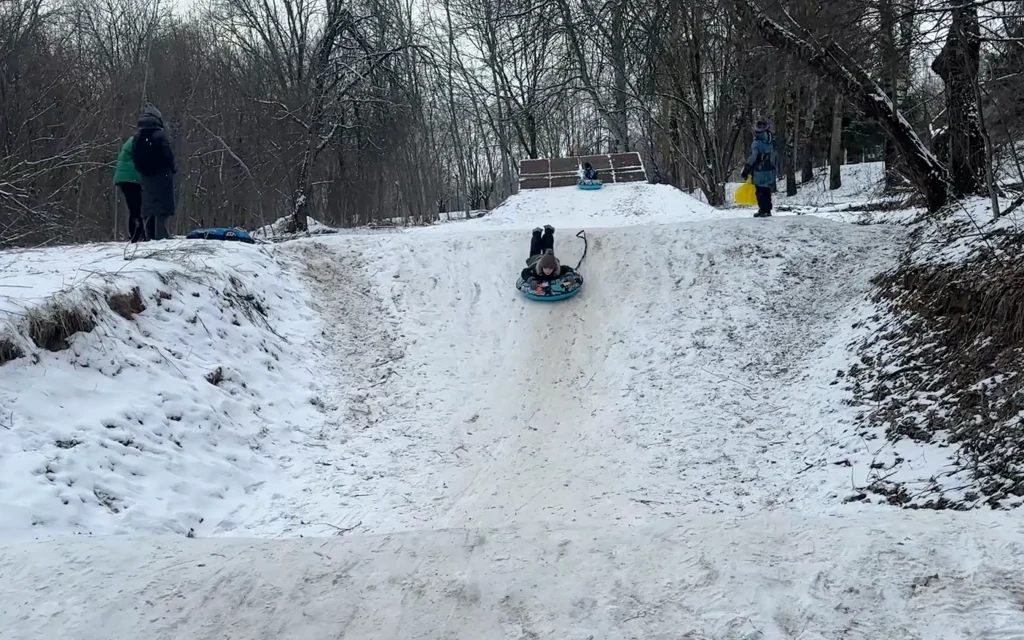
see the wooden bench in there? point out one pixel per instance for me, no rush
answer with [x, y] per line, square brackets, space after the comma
[545, 173]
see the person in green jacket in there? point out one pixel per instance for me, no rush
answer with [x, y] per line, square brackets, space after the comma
[127, 179]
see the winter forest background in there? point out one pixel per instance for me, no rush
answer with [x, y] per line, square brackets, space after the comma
[353, 111]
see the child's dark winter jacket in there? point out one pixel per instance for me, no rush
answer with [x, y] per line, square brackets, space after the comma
[539, 276]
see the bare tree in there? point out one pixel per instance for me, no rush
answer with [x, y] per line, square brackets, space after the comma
[835, 180]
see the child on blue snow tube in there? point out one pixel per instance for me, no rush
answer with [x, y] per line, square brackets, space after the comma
[543, 266]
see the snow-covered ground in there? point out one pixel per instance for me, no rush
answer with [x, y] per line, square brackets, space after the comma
[662, 456]
[765, 576]
[862, 184]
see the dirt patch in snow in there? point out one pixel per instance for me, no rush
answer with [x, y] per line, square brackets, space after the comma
[127, 305]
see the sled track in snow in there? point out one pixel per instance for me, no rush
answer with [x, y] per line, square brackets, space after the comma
[691, 375]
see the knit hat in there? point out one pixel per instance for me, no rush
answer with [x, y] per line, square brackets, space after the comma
[761, 125]
[151, 118]
[548, 261]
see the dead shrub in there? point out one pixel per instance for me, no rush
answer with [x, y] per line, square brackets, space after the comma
[127, 305]
[9, 350]
[52, 326]
[251, 306]
[953, 361]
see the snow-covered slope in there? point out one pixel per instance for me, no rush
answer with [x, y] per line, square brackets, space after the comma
[612, 206]
[664, 455]
[861, 182]
[694, 368]
[178, 410]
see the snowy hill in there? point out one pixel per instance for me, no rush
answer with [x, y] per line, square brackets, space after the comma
[668, 454]
[612, 206]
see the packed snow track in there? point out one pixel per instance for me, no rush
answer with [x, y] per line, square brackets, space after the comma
[691, 375]
[661, 456]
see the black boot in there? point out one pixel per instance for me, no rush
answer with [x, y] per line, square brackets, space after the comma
[547, 242]
[536, 243]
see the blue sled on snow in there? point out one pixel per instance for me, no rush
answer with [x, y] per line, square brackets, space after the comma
[561, 289]
[589, 185]
[221, 233]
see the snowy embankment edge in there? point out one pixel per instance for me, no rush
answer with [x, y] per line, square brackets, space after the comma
[152, 393]
[936, 378]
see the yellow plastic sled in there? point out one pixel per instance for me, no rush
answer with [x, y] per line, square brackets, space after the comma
[747, 194]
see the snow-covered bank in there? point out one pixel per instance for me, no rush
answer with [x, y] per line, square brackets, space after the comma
[939, 371]
[774, 576]
[179, 409]
[407, 384]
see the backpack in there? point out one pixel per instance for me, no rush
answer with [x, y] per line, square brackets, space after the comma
[148, 154]
[765, 160]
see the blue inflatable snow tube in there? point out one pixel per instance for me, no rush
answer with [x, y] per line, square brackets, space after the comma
[590, 186]
[562, 289]
[221, 233]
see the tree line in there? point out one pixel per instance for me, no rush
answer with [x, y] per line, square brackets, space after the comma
[356, 111]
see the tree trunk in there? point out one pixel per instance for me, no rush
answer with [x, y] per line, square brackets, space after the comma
[747, 131]
[674, 142]
[832, 63]
[990, 183]
[456, 134]
[618, 51]
[507, 187]
[576, 46]
[835, 156]
[794, 116]
[300, 199]
[889, 65]
[807, 166]
[958, 65]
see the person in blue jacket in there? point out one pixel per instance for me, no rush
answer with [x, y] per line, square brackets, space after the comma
[763, 162]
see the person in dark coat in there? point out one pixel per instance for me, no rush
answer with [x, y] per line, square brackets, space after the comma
[127, 179]
[589, 172]
[542, 265]
[762, 163]
[154, 161]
